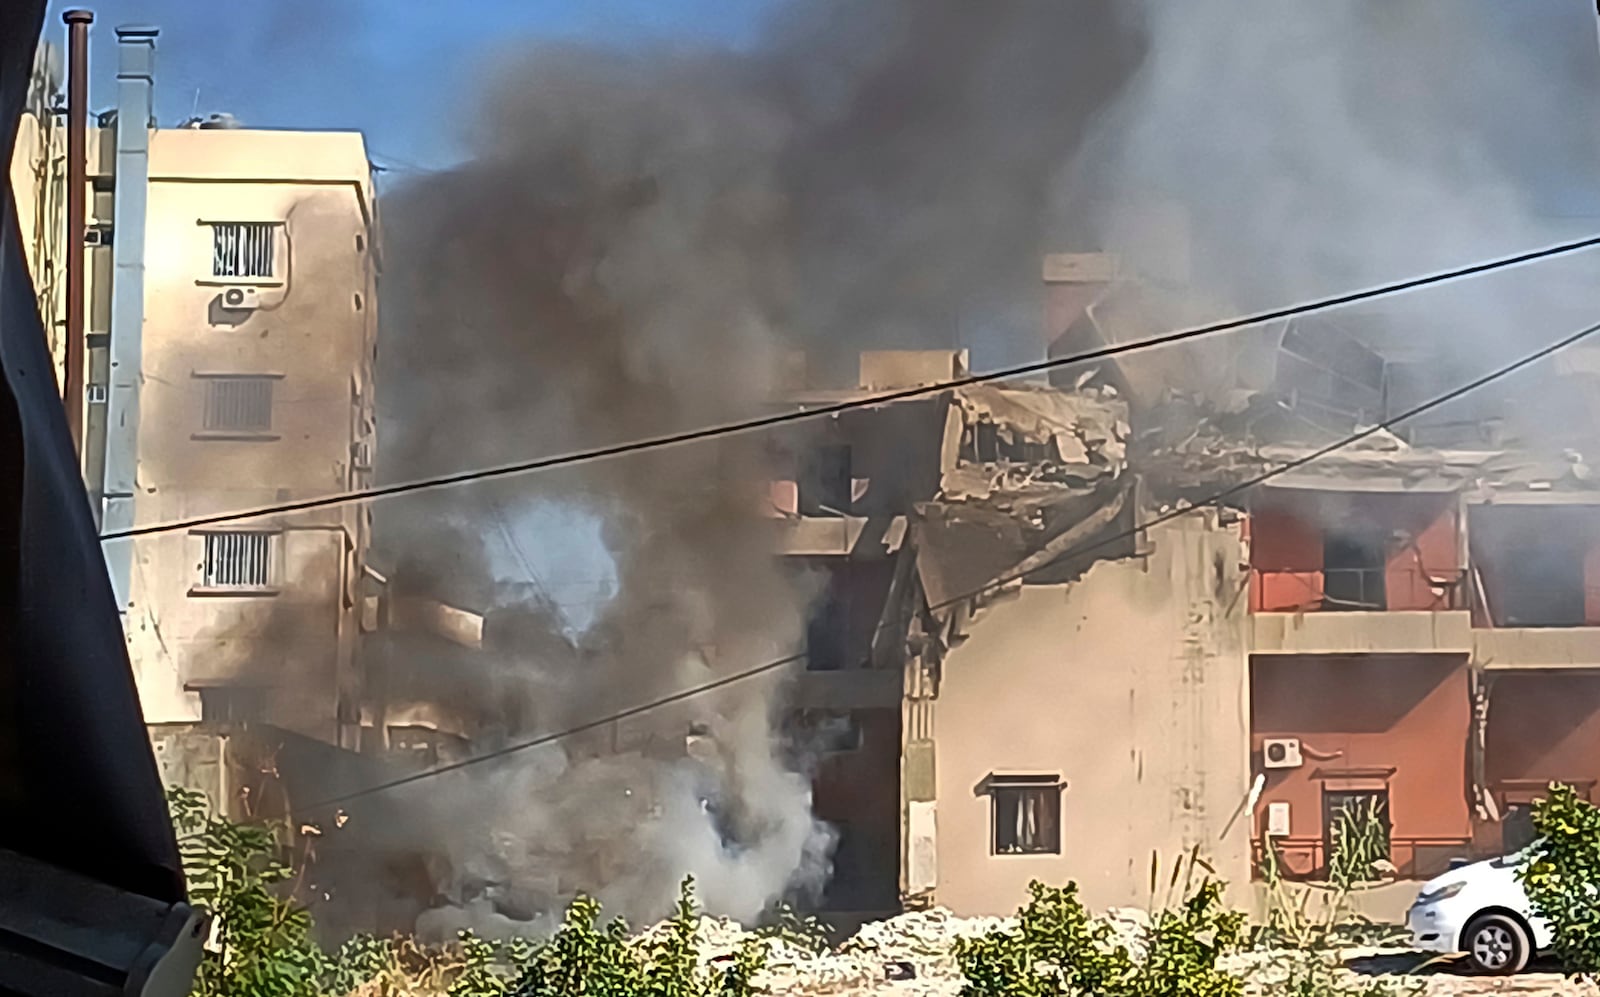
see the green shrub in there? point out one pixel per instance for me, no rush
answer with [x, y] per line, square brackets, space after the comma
[482, 973]
[1360, 844]
[1058, 949]
[1562, 875]
[265, 947]
[586, 960]
[1185, 944]
[358, 960]
[1360, 841]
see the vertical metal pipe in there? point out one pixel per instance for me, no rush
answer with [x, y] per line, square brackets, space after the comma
[136, 53]
[72, 392]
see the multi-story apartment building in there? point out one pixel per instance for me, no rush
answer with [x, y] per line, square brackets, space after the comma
[258, 350]
[230, 342]
[1413, 611]
[1097, 667]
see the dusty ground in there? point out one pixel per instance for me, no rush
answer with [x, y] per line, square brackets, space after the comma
[917, 945]
[1413, 975]
[1450, 981]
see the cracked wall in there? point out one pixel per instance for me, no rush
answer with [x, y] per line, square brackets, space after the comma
[1131, 686]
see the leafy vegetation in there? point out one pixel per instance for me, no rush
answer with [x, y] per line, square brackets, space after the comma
[1058, 949]
[263, 945]
[1360, 842]
[1561, 876]
[585, 958]
[1322, 916]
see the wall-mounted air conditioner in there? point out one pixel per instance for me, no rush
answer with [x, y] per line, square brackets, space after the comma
[241, 299]
[1281, 753]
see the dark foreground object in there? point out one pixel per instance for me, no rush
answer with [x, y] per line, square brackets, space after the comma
[92, 898]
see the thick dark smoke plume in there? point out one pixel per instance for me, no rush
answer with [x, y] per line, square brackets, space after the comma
[1299, 150]
[637, 242]
[640, 236]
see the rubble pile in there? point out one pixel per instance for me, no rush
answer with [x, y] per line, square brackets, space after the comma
[1017, 442]
[910, 956]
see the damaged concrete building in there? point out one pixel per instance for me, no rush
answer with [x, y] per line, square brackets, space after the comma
[1062, 660]
[956, 527]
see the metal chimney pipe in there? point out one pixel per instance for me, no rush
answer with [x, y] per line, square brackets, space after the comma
[72, 390]
[136, 64]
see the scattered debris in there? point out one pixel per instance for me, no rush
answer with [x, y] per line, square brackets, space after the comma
[899, 970]
[1035, 441]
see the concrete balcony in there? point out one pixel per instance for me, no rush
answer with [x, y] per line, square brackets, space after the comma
[1536, 648]
[1378, 632]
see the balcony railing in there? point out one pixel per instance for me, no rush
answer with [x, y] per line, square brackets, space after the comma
[1359, 590]
[1355, 589]
[1305, 859]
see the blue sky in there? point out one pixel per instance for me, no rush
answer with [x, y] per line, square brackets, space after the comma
[402, 71]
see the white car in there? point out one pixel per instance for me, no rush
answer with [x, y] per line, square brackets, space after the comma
[1480, 909]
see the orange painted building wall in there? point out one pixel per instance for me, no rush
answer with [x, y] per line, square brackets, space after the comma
[1286, 553]
[1288, 530]
[1543, 727]
[1518, 547]
[1358, 717]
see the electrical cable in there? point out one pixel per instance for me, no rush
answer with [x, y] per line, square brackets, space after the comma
[806, 414]
[987, 587]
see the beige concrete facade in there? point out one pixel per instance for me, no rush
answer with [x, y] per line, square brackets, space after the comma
[1130, 686]
[1515, 648]
[313, 338]
[1389, 632]
[282, 648]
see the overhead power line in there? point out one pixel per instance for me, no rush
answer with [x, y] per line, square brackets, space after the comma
[785, 418]
[1087, 548]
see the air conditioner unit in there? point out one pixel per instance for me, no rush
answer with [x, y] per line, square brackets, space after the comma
[241, 299]
[1281, 753]
[1277, 820]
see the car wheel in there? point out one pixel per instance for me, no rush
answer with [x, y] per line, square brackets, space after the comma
[1497, 944]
